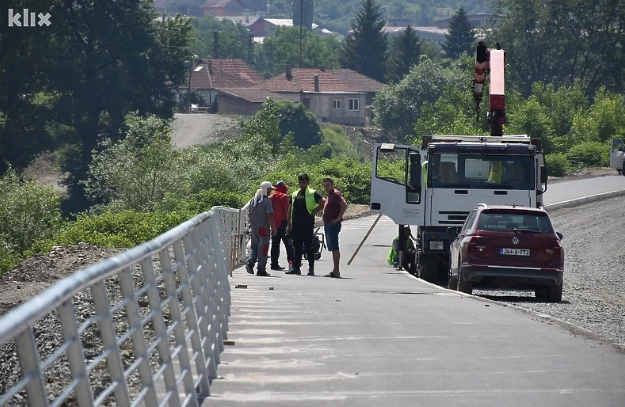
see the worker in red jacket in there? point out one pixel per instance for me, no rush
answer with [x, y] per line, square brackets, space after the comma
[280, 201]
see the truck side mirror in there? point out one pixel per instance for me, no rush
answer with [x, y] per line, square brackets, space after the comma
[415, 171]
[543, 174]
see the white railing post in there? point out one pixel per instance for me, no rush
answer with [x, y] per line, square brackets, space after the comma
[109, 340]
[75, 353]
[223, 290]
[178, 325]
[160, 330]
[138, 338]
[29, 360]
[200, 305]
[192, 319]
[207, 269]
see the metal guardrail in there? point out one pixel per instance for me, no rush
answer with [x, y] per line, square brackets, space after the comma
[145, 327]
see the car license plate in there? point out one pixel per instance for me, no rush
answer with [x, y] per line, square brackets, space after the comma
[515, 252]
[437, 245]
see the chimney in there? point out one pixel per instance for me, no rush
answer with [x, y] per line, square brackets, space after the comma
[288, 72]
[322, 68]
[316, 83]
[210, 67]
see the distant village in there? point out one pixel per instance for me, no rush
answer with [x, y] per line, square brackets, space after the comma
[254, 15]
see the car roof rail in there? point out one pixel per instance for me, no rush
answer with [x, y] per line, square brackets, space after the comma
[482, 205]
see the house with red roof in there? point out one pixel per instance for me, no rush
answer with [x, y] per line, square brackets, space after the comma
[212, 75]
[338, 96]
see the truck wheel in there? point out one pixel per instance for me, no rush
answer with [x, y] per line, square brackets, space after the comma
[554, 293]
[428, 267]
[464, 286]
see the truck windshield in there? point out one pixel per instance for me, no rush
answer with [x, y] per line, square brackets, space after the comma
[479, 171]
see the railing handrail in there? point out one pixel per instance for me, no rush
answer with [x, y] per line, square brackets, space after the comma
[39, 306]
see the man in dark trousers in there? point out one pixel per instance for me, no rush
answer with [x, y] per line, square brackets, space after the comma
[305, 204]
[280, 202]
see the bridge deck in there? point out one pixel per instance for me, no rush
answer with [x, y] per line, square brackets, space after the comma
[380, 337]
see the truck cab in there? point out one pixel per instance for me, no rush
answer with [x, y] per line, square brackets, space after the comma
[435, 186]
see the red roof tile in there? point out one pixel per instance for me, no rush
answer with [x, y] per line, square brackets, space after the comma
[224, 73]
[252, 95]
[358, 81]
[342, 80]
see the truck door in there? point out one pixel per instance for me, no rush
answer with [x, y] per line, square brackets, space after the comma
[617, 154]
[396, 184]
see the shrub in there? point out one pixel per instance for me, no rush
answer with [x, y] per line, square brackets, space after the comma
[340, 144]
[119, 230]
[28, 212]
[557, 164]
[589, 154]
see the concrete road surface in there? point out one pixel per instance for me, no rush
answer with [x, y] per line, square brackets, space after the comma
[566, 190]
[379, 337]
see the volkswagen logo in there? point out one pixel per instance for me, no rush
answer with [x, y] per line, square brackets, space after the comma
[515, 240]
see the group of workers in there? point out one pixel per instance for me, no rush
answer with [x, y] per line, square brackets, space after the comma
[277, 217]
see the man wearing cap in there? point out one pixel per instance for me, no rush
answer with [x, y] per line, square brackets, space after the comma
[280, 201]
[261, 222]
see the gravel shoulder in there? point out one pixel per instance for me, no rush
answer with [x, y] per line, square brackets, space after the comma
[594, 287]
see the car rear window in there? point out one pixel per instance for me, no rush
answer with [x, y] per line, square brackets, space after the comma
[508, 222]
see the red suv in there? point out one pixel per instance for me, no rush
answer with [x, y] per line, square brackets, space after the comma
[509, 247]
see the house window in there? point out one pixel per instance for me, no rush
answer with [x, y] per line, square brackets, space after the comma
[336, 104]
[354, 105]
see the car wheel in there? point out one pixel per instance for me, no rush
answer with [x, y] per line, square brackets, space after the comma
[554, 293]
[463, 285]
[452, 282]
[541, 293]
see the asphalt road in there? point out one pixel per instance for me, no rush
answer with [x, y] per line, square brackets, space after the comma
[381, 337]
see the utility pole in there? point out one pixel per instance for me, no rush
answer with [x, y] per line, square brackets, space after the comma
[301, 15]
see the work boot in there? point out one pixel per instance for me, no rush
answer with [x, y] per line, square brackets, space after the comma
[294, 271]
[277, 268]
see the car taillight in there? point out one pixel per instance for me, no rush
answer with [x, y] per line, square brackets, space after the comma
[478, 246]
[550, 250]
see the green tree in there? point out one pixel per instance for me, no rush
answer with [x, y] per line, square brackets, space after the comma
[532, 120]
[563, 42]
[233, 38]
[461, 37]
[405, 53]
[452, 113]
[397, 107]
[283, 48]
[137, 172]
[109, 63]
[303, 10]
[24, 115]
[366, 48]
[276, 120]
